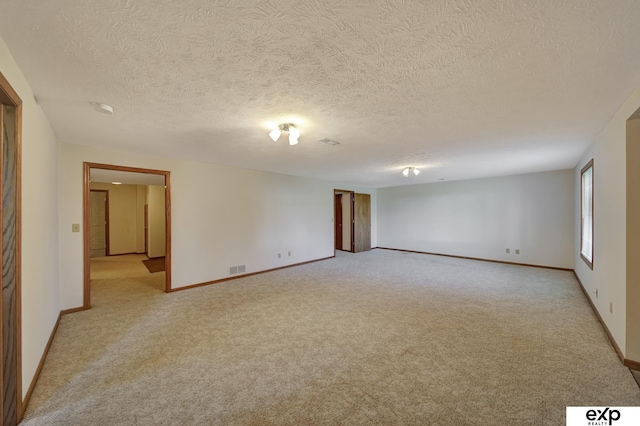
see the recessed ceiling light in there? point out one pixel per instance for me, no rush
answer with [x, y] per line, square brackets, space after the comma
[104, 108]
[116, 183]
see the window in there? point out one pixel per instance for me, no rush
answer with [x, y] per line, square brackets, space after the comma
[586, 222]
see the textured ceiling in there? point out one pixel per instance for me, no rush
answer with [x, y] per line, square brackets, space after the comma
[459, 88]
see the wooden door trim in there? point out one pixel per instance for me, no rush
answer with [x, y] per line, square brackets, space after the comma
[87, 166]
[106, 219]
[8, 96]
[353, 221]
[338, 231]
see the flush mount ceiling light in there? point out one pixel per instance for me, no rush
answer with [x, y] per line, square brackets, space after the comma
[104, 108]
[294, 133]
[407, 170]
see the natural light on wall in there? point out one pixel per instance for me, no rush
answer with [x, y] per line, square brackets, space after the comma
[586, 236]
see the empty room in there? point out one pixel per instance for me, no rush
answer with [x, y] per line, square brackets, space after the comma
[319, 212]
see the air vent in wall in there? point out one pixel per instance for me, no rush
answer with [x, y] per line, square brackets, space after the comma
[237, 269]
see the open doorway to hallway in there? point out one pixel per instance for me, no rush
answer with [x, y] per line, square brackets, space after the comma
[352, 221]
[343, 219]
[120, 278]
[127, 231]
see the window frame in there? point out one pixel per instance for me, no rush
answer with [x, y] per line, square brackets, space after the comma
[587, 166]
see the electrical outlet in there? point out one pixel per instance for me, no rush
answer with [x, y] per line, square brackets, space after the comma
[611, 307]
[508, 251]
[278, 255]
[517, 251]
[75, 227]
[289, 254]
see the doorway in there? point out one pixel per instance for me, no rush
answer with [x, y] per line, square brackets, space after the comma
[10, 279]
[352, 221]
[338, 223]
[144, 197]
[99, 231]
[343, 220]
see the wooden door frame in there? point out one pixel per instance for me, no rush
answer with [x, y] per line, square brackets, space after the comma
[352, 243]
[87, 166]
[106, 219]
[337, 225]
[8, 96]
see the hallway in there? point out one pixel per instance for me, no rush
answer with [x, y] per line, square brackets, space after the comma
[114, 279]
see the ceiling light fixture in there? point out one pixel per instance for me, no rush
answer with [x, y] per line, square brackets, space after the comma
[294, 133]
[104, 108]
[407, 170]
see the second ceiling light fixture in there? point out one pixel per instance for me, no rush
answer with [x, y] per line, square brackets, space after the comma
[407, 170]
[294, 133]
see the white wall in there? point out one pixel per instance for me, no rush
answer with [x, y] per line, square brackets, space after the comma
[609, 251]
[481, 218]
[40, 299]
[157, 223]
[221, 217]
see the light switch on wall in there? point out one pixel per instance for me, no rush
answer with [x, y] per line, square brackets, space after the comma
[75, 227]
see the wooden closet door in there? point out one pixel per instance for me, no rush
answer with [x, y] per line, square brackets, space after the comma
[362, 222]
[9, 279]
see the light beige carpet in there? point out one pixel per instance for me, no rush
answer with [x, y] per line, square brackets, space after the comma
[379, 337]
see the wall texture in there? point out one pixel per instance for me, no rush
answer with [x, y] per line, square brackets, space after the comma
[40, 261]
[221, 217]
[633, 244]
[482, 218]
[608, 276]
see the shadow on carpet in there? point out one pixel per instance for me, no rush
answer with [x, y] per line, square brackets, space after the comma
[155, 265]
